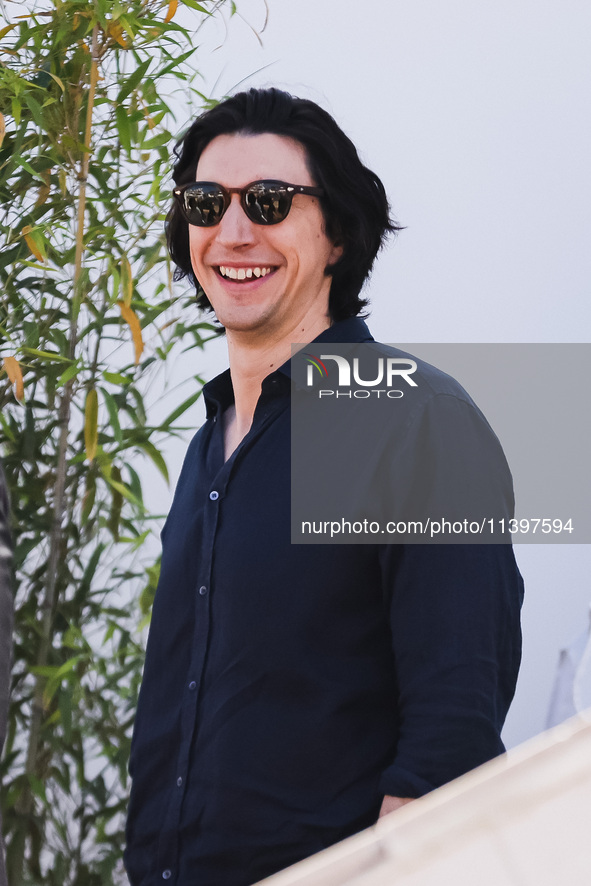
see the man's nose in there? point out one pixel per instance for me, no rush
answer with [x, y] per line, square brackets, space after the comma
[235, 229]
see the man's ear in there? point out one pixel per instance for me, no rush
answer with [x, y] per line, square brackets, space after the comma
[335, 254]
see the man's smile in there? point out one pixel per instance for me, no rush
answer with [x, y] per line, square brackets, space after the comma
[245, 272]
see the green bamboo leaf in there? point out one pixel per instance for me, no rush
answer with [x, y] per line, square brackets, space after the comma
[192, 4]
[113, 411]
[135, 484]
[16, 108]
[73, 638]
[140, 408]
[147, 595]
[126, 23]
[164, 138]
[44, 671]
[156, 456]
[177, 62]
[126, 280]
[70, 373]
[91, 424]
[176, 413]
[24, 164]
[106, 471]
[90, 571]
[59, 338]
[89, 497]
[116, 504]
[133, 81]
[54, 682]
[116, 282]
[138, 541]
[35, 109]
[45, 355]
[117, 378]
[123, 127]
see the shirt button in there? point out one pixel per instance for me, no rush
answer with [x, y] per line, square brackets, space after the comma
[166, 875]
[214, 495]
[203, 590]
[192, 685]
[179, 781]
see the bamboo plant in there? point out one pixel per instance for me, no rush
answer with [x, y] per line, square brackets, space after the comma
[87, 320]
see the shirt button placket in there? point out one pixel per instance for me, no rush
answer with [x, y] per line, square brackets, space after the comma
[192, 685]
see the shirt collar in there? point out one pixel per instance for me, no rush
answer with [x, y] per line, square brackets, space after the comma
[344, 332]
[219, 393]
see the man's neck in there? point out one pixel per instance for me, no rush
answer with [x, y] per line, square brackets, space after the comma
[252, 358]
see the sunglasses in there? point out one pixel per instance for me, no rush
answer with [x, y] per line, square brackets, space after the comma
[265, 202]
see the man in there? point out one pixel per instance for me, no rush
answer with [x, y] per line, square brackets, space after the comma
[6, 615]
[293, 693]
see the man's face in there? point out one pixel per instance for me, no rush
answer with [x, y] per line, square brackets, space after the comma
[290, 257]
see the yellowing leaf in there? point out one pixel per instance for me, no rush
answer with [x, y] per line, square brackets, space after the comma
[63, 180]
[91, 424]
[6, 30]
[44, 192]
[172, 7]
[32, 242]
[45, 189]
[13, 371]
[126, 280]
[2, 129]
[116, 32]
[59, 82]
[132, 321]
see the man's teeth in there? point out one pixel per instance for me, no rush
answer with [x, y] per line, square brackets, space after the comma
[243, 273]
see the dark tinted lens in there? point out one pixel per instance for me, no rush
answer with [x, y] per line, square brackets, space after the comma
[267, 204]
[203, 205]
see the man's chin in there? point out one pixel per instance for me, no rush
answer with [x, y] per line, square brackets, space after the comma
[249, 319]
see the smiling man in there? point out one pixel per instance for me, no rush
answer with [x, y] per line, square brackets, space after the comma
[267, 283]
[294, 693]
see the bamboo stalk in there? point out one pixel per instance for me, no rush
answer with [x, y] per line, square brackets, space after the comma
[25, 805]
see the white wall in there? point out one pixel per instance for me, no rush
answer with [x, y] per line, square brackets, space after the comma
[475, 116]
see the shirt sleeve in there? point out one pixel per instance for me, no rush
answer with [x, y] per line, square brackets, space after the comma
[453, 608]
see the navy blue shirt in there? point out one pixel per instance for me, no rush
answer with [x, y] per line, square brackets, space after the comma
[288, 688]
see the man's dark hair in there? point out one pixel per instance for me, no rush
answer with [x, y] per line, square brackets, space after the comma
[354, 204]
